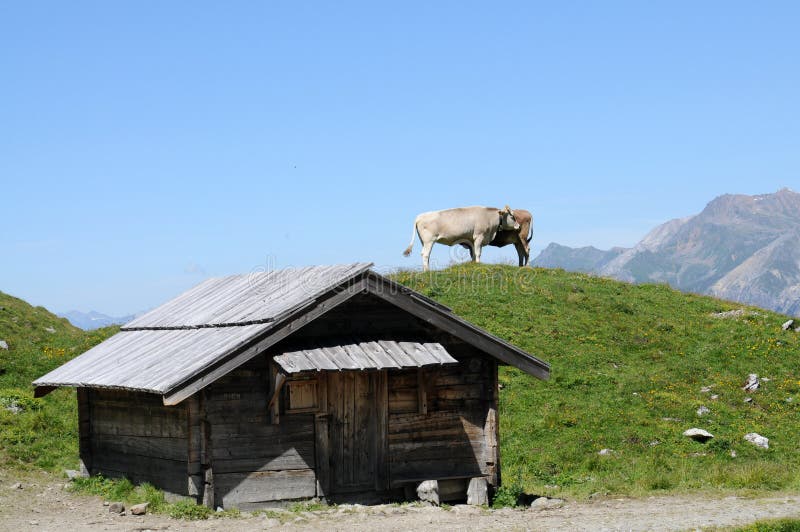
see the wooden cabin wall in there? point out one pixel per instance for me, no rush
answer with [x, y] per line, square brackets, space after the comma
[454, 433]
[442, 421]
[252, 460]
[134, 435]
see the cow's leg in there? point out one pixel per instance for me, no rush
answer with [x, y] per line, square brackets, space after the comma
[521, 253]
[476, 246]
[426, 255]
[471, 253]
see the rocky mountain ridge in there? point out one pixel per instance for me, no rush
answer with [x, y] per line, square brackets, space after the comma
[742, 248]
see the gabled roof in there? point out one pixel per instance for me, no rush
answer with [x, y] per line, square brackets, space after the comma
[206, 332]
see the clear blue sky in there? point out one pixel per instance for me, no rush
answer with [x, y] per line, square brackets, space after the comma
[147, 145]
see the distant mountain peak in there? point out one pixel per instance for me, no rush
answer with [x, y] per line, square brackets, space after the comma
[93, 320]
[739, 247]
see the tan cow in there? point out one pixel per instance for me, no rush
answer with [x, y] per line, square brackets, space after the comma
[521, 238]
[473, 227]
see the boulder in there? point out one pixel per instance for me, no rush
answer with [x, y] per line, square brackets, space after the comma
[428, 491]
[757, 439]
[543, 503]
[698, 435]
[72, 474]
[116, 507]
[16, 486]
[477, 492]
[787, 325]
[752, 383]
[139, 509]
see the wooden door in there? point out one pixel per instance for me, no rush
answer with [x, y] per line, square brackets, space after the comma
[357, 430]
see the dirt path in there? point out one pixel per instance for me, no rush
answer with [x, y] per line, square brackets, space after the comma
[44, 504]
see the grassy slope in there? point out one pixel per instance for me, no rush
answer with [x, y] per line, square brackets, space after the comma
[45, 432]
[623, 359]
[628, 363]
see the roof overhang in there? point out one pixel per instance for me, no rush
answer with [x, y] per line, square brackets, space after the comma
[241, 343]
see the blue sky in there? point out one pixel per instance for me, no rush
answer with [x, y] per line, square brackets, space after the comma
[147, 145]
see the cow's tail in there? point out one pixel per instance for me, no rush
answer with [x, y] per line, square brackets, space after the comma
[530, 232]
[407, 252]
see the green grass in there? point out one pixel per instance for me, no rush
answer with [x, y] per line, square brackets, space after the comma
[777, 525]
[628, 363]
[43, 433]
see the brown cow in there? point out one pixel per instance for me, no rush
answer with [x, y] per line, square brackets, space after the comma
[521, 238]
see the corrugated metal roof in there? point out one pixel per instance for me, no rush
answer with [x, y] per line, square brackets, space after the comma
[258, 297]
[358, 355]
[151, 361]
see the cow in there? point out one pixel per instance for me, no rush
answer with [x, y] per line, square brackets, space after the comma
[521, 238]
[473, 227]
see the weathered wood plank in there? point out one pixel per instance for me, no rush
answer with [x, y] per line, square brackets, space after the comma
[382, 431]
[153, 446]
[300, 457]
[84, 430]
[422, 392]
[233, 489]
[293, 428]
[261, 343]
[323, 469]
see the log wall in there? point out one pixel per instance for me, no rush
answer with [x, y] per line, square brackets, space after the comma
[134, 435]
[252, 460]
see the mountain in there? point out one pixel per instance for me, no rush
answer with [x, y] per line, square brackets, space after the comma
[91, 320]
[742, 248]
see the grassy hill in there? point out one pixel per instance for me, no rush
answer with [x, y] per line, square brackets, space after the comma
[40, 432]
[628, 364]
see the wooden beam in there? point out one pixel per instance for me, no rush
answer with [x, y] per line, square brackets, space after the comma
[321, 438]
[195, 472]
[456, 326]
[276, 383]
[422, 392]
[382, 473]
[85, 430]
[263, 342]
[41, 391]
[206, 455]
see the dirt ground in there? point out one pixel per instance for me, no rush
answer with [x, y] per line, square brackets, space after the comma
[44, 504]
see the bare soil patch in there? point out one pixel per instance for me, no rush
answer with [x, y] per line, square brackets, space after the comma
[43, 503]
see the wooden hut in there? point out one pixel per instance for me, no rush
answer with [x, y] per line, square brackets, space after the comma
[330, 382]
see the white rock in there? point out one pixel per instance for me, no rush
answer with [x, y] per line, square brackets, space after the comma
[428, 491]
[605, 452]
[3, 345]
[748, 399]
[705, 389]
[703, 411]
[543, 503]
[714, 397]
[139, 509]
[50, 330]
[477, 492]
[698, 435]
[757, 439]
[752, 383]
[787, 325]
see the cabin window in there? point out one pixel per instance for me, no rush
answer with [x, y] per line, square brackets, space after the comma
[302, 396]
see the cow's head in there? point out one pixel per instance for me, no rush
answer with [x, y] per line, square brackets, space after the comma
[507, 220]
